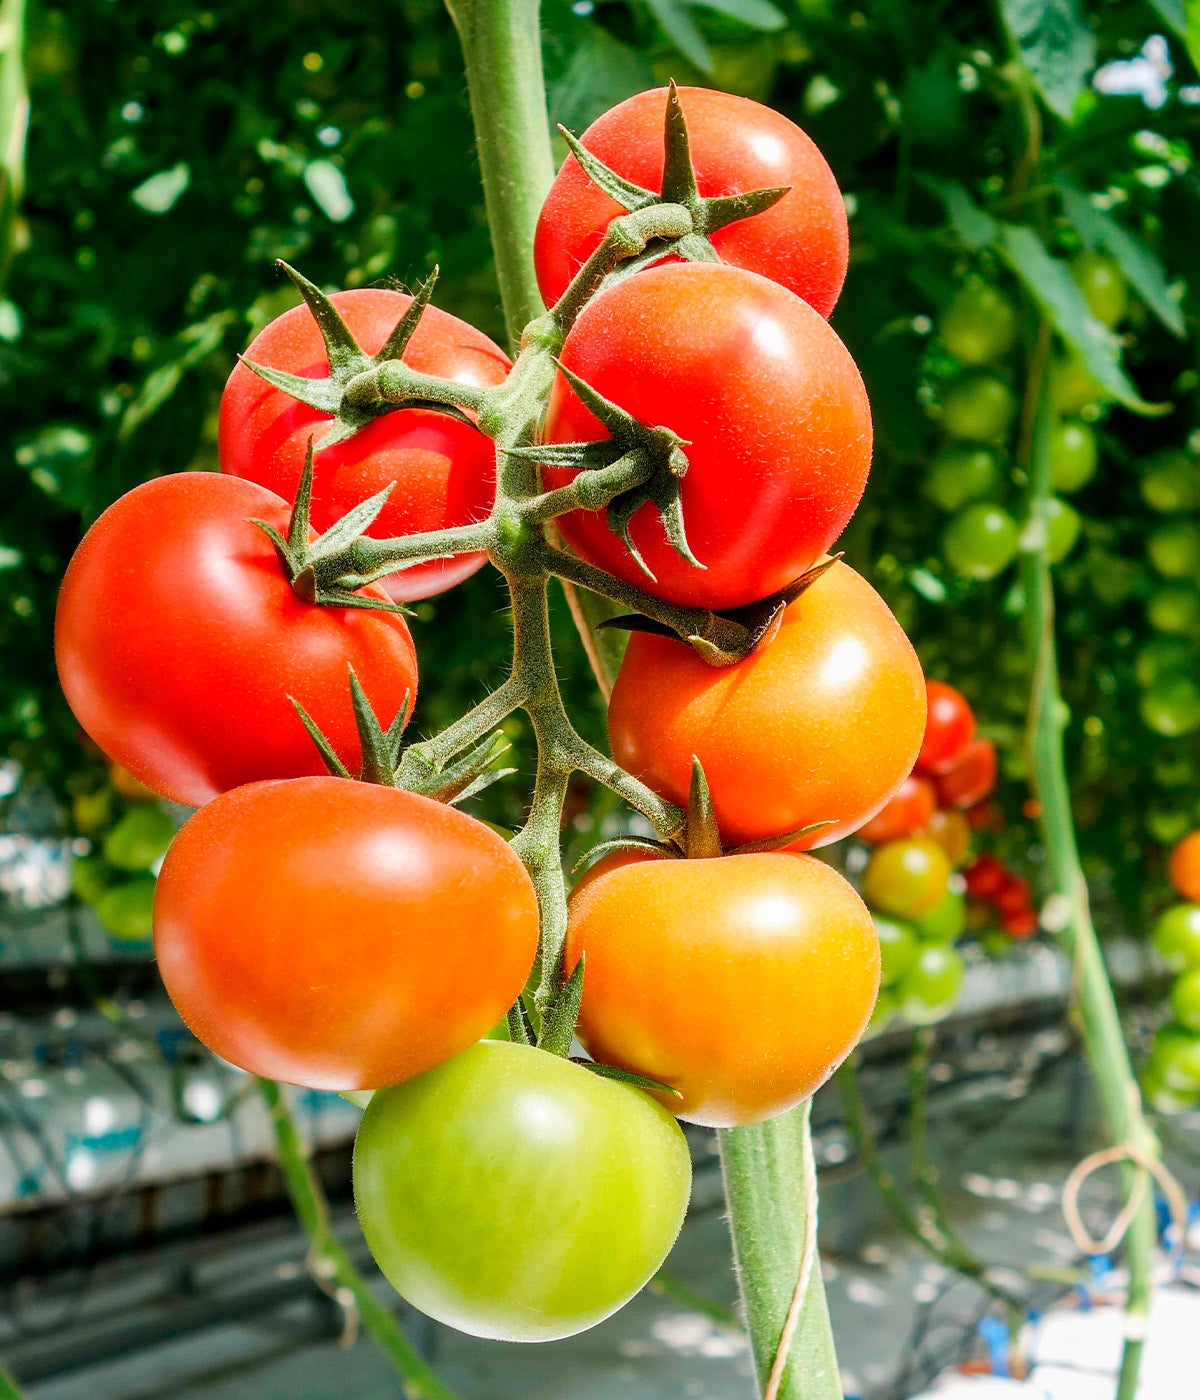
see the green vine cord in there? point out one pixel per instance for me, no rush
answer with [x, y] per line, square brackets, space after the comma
[329, 1263]
[9, 1390]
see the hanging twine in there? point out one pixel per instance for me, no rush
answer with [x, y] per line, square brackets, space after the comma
[1148, 1166]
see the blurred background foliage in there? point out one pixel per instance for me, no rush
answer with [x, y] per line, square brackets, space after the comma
[175, 152]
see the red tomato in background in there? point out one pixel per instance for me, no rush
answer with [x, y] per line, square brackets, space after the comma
[341, 935]
[444, 469]
[908, 811]
[970, 779]
[743, 982]
[823, 722]
[770, 404]
[1021, 923]
[986, 878]
[948, 730]
[737, 145]
[179, 640]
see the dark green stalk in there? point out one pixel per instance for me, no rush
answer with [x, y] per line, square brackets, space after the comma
[9, 1390]
[329, 1261]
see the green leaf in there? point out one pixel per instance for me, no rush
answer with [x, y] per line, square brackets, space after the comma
[1142, 269]
[975, 228]
[682, 32]
[192, 347]
[327, 185]
[754, 14]
[600, 72]
[1057, 47]
[160, 192]
[1183, 16]
[1048, 280]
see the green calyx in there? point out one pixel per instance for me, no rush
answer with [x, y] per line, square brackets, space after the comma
[678, 187]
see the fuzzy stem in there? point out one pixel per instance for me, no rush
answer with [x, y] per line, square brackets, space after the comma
[9, 1390]
[330, 1263]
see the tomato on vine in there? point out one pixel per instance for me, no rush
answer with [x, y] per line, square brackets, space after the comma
[517, 1196]
[981, 541]
[971, 778]
[907, 811]
[978, 408]
[338, 934]
[180, 642]
[1184, 866]
[979, 324]
[949, 728]
[931, 985]
[906, 878]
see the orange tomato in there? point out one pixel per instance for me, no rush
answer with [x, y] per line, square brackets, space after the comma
[1184, 867]
[822, 723]
[951, 830]
[911, 808]
[743, 981]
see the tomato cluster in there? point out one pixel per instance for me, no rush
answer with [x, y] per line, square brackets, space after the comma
[1171, 1075]
[217, 636]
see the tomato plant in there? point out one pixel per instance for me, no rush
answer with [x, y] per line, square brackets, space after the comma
[514, 1195]
[181, 643]
[949, 728]
[979, 323]
[742, 982]
[1176, 935]
[907, 878]
[907, 811]
[931, 985]
[959, 475]
[1074, 456]
[978, 408]
[897, 949]
[1184, 866]
[341, 935]
[981, 541]
[1099, 278]
[971, 778]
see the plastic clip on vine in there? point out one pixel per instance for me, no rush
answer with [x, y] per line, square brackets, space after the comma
[699, 437]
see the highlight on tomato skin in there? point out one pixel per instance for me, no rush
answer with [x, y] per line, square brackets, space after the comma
[442, 470]
[949, 728]
[181, 644]
[341, 935]
[822, 723]
[741, 981]
[737, 145]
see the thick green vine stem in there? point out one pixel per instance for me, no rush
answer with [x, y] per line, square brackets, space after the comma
[9, 1390]
[1099, 1020]
[329, 1262]
[770, 1188]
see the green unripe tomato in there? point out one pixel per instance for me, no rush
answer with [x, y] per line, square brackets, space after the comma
[981, 541]
[139, 838]
[1102, 283]
[906, 878]
[517, 1196]
[945, 921]
[1170, 705]
[1176, 935]
[931, 986]
[979, 408]
[1172, 482]
[1062, 529]
[1174, 549]
[1160, 656]
[897, 948]
[1071, 387]
[1175, 610]
[959, 475]
[1074, 456]
[126, 911]
[1185, 999]
[979, 324]
[1161, 1098]
[92, 810]
[89, 878]
[1167, 824]
[1176, 1059]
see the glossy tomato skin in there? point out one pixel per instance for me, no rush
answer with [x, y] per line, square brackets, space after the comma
[443, 469]
[516, 1196]
[907, 811]
[970, 778]
[341, 935]
[822, 723]
[179, 640]
[737, 145]
[770, 404]
[949, 727]
[742, 981]
[1184, 867]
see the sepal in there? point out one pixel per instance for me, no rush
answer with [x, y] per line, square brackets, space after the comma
[627, 1076]
[558, 1026]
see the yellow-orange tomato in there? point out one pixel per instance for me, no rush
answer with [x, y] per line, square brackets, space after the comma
[338, 934]
[950, 829]
[1184, 868]
[823, 723]
[742, 981]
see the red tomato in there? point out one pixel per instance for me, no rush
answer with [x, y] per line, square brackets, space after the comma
[742, 982]
[986, 878]
[769, 402]
[971, 778]
[1013, 897]
[443, 469]
[179, 641]
[948, 730]
[1021, 923]
[821, 723]
[1184, 867]
[736, 146]
[341, 935]
[906, 812]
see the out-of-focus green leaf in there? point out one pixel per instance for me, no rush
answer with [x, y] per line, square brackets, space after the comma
[1048, 280]
[1056, 45]
[597, 71]
[161, 192]
[754, 14]
[1191, 28]
[974, 226]
[327, 185]
[14, 113]
[192, 346]
[1142, 269]
[57, 458]
[680, 28]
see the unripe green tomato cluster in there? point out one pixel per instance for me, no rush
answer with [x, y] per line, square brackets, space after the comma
[1171, 1074]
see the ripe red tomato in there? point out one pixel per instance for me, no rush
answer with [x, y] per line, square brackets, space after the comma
[769, 402]
[341, 935]
[443, 468]
[1014, 895]
[514, 1195]
[908, 811]
[736, 146]
[1184, 867]
[179, 641]
[986, 878]
[743, 982]
[1020, 923]
[949, 728]
[821, 723]
[971, 778]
